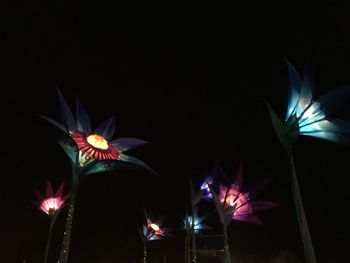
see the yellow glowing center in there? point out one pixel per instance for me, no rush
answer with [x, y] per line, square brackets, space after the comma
[230, 200]
[97, 141]
[154, 227]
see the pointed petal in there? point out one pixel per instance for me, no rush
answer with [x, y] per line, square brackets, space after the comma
[133, 160]
[49, 190]
[100, 166]
[219, 208]
[83, 120]
[332, 100]
[124, 144]
[294, 89]
[239, 178]
[55, 123]
[279, 127]
[67, 116]
[248, 219]
[59, 192]
[256, 188]
[106, 128]
[331, 130]
[260, 205]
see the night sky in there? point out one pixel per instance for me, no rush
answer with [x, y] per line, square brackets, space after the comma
[190, 78]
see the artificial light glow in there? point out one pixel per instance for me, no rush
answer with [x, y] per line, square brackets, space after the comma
[155, 227]
[51, 205]
[97, 141]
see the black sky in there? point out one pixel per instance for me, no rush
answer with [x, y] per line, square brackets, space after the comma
[189, 78]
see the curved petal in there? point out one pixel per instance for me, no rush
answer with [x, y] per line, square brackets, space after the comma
[248, 219]
[260, 205]
[124, 144]
[67, 116]
[256, 188]
[55, 123]
[239, 178]
[106, 128]
[49, 190]
[59, 192]
[83, 120]
[133, 160]
[300, 91]
[332, 100]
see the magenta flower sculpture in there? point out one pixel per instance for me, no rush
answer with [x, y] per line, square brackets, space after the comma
[51, 204]
[234, 203]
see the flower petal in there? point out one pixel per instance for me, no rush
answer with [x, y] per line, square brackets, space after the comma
[68, 119]
[248, 219]
[49, 190]
[133, 160]
[83, 120]
[332, 100]
[106, 128]
[124, 144]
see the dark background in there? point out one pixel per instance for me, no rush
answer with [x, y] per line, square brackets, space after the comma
[189, 78]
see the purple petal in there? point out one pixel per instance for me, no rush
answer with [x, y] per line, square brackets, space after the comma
[83, 120]
[256, 188]
[106, 128]
[124, 144]
[248, 219]
[262, 205]
[239, 178]
[244, 209]
[67, 116]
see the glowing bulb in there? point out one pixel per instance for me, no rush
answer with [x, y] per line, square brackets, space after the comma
[97, 141]
[154, 227]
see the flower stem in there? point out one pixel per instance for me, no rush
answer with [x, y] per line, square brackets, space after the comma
[226, 249]
[49, 239]
[144, 252]
[193, 235]
[303, 226]
[67, 233]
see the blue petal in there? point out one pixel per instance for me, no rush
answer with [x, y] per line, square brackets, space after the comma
[332, 100]
[300, 92]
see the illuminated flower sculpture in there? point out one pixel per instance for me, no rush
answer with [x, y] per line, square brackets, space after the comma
[51, 204]
[152, 230]
[306, 116]
[192, 222]
[233, 203]
[195, 223]
[90, 151]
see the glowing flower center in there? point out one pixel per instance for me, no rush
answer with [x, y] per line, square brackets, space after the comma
[97, 141]
[230, 200]
[154, 227]
[51, 205]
